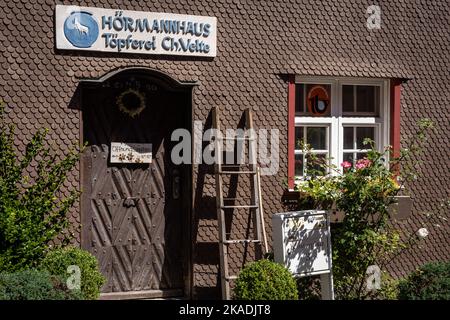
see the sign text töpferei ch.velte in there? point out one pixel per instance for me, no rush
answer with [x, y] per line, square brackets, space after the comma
[111, 30]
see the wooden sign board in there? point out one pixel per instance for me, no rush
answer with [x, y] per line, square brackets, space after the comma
[302, 242]
[122, 152]
[137, 32]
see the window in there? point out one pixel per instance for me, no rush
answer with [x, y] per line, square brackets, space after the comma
[354, 148]
[360, 100]
[334, 116]
[318, 138]
[312, 100]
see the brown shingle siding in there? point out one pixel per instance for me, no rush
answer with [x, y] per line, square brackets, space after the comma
[257, 42]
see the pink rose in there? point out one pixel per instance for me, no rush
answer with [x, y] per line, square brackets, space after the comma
[346, 165]
[362, 163]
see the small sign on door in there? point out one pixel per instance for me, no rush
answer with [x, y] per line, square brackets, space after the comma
[122, 152]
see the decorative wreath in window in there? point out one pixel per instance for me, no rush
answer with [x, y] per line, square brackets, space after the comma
[131, 102]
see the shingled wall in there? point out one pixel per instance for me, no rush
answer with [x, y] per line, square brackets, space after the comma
[258, 43]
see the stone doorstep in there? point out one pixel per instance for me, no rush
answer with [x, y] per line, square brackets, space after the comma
[172, 294]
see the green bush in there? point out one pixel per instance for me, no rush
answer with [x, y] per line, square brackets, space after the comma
[32, 209]
[265, 280]
[57, 261]
[389, 288]
[34, 285]
[309, 288]
[429, 282]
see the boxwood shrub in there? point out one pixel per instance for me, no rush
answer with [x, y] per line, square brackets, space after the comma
[35, 285]
[265, 280]
[429, 282]
[58, 260]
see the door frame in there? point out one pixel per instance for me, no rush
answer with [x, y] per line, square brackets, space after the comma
[170, 84]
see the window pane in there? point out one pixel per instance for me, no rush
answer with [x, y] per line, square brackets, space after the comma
[299, 137]
[298, 165]
[363, 133]
[361, 155]
[299, 99]
[348, 157]
[317, 137]
[348, 138]
[347, 98]
[367, 98]
[315, 163]
[318, 100]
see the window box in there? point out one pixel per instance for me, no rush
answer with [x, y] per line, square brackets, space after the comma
[400, 210]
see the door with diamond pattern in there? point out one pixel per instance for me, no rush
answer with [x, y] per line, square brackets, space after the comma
[132, 216]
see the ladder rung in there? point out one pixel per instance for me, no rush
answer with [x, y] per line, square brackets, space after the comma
[237, 172]
[241, 241]
[240, 206]
[228, 165]
[230, 277]
[237, 138]
[234, 199]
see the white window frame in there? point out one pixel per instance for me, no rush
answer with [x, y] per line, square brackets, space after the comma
[336, 121]
[315, 151]
[356, 150]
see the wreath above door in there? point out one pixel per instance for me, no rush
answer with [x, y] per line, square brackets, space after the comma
[131, 102]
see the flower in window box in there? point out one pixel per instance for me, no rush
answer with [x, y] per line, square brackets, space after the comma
[362, 163]
[395, 184]
[346, 165]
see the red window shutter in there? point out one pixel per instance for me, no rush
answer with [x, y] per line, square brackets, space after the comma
[395, 94]
[291, 131]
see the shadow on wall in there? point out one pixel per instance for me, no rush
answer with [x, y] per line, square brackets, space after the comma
[205, 231]
[205, 254]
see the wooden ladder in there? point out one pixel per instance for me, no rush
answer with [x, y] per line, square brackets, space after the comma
[254, 208]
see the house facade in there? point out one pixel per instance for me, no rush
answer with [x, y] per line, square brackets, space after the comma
[326, 72]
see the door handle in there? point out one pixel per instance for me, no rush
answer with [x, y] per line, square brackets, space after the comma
[176, 182]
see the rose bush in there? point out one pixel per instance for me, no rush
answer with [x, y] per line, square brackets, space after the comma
[364, 191]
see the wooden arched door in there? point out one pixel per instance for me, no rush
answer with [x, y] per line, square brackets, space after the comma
[134, 213]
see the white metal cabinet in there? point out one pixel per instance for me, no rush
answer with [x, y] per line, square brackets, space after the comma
[302, 242]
